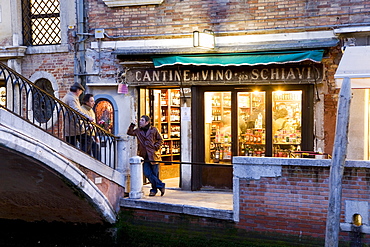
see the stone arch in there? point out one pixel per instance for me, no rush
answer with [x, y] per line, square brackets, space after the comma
[41, 152]
[108, 97]
[43, 74]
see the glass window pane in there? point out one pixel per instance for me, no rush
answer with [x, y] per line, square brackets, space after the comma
[217, 108]
[251, 124]
[104, 115]
[286, 125]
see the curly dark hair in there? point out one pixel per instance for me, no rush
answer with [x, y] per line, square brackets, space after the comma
[86, 98]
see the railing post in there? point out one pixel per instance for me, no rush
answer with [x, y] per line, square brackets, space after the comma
[136, 189]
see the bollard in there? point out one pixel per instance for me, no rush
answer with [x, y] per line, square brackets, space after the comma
[136, 166]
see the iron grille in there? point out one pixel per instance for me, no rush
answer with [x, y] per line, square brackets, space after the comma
[41, 22]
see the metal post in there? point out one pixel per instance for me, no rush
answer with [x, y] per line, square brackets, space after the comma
[136, 166]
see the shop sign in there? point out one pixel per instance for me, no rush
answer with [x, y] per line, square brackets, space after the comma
[303, 74]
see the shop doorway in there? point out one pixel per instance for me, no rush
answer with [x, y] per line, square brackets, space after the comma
[165, 112]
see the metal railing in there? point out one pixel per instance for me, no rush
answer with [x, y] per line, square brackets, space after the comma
[33, 104]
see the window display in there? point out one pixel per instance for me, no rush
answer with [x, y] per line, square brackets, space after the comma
[105, 114]
[218, 137]
[286, 125]
[282, 122]
[251, 123]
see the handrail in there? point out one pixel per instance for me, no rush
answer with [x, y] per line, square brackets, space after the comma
[45, 111]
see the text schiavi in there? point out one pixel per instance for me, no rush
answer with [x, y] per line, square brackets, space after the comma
[307, 73]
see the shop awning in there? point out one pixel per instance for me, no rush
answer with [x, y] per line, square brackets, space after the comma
[238, 59]
[355, 64]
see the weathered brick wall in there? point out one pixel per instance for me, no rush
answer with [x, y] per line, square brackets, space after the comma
[179, 17]
[297, 202]
[60, 65]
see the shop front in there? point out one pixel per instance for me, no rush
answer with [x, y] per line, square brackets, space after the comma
[264, 109]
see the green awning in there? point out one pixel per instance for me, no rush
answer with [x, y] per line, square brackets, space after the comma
[238, 59]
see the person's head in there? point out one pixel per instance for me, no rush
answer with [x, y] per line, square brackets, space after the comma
[88, 100]
[144, 121]
[77, 88]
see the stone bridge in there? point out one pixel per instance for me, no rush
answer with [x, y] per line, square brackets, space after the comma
[44, 178]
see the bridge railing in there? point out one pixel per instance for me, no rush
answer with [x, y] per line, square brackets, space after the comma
[33, 104]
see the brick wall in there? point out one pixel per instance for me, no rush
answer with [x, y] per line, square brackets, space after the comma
[295, 202]
[60, 65]
[180, 17]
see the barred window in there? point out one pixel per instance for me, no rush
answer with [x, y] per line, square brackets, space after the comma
[41, 22]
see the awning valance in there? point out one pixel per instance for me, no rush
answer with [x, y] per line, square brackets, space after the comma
[355, 64]
[238, 59]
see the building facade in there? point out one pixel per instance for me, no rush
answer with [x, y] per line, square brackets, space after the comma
[219, 78]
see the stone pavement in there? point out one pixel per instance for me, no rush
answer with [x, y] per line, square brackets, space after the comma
[213, 204]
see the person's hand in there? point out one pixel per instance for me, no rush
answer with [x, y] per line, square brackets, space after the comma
[132, 125]
[91, 119]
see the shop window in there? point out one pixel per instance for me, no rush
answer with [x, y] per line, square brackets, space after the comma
[255, 123]
[218, 126]
[104, 112]
[286, 124]
[251, 123]
[43, 105]
[41, 22]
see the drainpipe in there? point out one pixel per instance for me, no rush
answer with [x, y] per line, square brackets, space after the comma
[79, 64]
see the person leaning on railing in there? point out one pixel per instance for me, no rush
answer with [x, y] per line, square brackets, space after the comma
[73, 129]
[88, 103]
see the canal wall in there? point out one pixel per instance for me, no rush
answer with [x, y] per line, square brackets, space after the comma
[274, 199]
[290, 196]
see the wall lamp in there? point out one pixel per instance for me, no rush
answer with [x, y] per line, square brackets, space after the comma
[205, 39]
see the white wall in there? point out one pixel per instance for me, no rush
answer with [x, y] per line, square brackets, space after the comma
[5, 22]
[358, 126]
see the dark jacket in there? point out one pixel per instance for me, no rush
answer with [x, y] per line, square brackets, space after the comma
[148, 143]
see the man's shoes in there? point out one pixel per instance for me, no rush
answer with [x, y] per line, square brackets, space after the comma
[162, 190]
[152, 193]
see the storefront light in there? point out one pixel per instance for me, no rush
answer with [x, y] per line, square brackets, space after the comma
[205, 39]
[278, 92]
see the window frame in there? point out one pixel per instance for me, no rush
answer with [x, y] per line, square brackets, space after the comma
[28, 18]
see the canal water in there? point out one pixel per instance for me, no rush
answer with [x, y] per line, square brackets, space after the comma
[138, 234]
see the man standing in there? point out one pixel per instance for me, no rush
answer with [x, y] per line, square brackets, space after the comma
[73, 129]
[149, 144]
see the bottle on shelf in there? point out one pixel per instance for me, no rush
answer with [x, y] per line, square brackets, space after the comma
[163, 115]
[248, 136]
[218, 135]
[217, 154]
[165, 131]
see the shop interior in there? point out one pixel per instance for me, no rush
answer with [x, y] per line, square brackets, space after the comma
[269, 122]
[251, 124]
